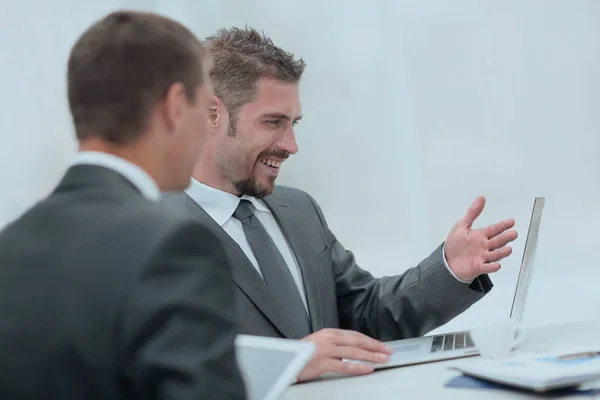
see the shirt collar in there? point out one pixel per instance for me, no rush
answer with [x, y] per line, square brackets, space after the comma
[133, 173]
[218, 204]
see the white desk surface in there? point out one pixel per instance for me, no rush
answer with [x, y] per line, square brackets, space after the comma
[427, 381]
[424, 381]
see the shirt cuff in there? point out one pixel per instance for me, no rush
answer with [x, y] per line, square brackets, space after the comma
[447, 266]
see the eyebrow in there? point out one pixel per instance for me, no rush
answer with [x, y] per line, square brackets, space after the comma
[280, 116]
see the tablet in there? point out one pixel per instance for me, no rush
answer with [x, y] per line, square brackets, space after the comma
[270, 365]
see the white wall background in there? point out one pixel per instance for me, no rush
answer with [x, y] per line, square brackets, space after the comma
[412, 108]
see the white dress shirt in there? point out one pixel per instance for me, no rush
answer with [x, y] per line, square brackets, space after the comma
[133, 173]
[220, 206]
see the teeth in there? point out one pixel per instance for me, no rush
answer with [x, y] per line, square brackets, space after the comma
[270, 163]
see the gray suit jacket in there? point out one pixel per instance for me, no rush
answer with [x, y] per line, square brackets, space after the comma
[106, 295]
[339, 293]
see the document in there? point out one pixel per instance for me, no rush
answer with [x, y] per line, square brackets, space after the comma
[538, 372]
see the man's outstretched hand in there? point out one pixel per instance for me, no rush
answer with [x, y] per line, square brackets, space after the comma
[473, 252]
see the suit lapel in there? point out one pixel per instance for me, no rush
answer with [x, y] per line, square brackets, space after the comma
[297, 240]
[245, 275]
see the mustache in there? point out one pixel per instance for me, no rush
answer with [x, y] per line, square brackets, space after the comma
[275, 153]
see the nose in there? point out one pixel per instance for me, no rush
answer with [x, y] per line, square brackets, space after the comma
[288, 142]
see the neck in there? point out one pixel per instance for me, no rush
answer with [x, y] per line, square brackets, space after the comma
[207, 172]
[138, 153]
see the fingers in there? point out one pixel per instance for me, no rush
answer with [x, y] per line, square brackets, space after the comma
[489, 268]
[358, 354]
[316, 368]
[501, 240]
[498, 254]
[358, 340]
[340, 367]
[498, 228]
[473, 212]
[356, 346]
[335, 345]
[491, 263]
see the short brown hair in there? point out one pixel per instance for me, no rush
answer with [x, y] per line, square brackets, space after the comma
[240, 58]
[122, 66]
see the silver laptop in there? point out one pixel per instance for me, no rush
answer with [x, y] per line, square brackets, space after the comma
[459, 344]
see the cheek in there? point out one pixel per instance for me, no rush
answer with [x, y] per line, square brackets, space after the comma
[201, 118]
[237, 158]
[195, 132]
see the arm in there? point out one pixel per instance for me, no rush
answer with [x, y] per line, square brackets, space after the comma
[402, 306]
[179, 324]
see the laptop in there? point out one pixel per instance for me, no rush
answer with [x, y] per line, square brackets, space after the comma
[270, 365]
[459, 344]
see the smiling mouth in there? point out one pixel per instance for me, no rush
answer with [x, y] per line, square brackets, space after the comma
[270, 163]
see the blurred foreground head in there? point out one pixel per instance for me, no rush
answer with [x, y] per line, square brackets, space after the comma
[138, 88]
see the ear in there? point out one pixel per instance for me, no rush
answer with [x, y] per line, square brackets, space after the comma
[215, 112]
[174, 108]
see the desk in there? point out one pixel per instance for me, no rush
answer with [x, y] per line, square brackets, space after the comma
[419, 382]
[427, 381]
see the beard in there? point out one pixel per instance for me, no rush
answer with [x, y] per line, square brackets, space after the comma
[251, 185]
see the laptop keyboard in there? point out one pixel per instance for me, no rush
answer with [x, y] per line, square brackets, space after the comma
[452, 341]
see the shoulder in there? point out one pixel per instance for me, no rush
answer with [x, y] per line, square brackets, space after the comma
[301, 202]
[133, 225]
[173, 199]
[154, 216]
[287, 194]
[296, 198]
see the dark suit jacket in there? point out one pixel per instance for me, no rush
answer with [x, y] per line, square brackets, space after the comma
[339, 293]
[105, 295]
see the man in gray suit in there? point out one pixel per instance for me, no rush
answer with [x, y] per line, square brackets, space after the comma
[103, 293]
[294, 278]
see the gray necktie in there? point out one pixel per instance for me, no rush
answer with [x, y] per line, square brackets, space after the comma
[274, 269]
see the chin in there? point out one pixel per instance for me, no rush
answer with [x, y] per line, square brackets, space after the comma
[268, 186]
[263, 191]
[268, 190]
[255, 187]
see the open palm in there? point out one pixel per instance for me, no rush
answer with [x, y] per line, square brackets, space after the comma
[472, 252]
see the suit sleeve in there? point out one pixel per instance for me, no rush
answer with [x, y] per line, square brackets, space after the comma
[402, 306]
[179, 323]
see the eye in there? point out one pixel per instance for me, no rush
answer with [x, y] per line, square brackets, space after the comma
[274, 122]
[295, 123]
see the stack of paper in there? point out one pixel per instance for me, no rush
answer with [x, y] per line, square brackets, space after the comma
[538, 371]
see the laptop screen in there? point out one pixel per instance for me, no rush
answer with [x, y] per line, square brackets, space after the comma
[518, 306]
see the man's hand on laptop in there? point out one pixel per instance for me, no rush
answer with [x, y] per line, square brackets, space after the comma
[335, 345]
[473, 252]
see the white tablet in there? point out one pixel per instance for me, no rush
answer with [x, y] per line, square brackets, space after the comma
[270, 365]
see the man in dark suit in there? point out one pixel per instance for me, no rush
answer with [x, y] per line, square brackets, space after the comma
[294, 278]
[103, 293]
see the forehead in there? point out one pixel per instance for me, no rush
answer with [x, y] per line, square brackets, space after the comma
[275, 97]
